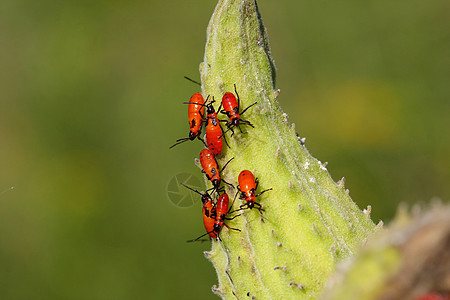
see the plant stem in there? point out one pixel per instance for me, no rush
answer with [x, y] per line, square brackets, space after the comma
[310, 222]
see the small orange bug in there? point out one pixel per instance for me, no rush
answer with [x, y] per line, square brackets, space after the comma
[210, 168]
[208, 212]
[247, 186]
[214, 132]
[196, 109]
[221, 212]
[231, 109]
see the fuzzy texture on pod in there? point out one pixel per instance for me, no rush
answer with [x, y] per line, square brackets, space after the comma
[310, 223]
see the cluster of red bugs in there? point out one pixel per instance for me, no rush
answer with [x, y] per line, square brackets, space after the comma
[215, 212]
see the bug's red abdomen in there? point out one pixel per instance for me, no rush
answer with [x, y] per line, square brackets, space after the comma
[247, 185]
[196, 110]
[195, 124]
[230, 105]
[196, 104]
[214, 134]
[222, 206]
[209, 166]
[209, 218]
[221, 212]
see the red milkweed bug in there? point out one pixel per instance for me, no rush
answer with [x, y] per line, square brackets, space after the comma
[215, 221]
[211, 169]
[209, 209]
[214, 132]
[195, 113]
[231, 109]
[222, 210]
[247, 186]
[208, 212]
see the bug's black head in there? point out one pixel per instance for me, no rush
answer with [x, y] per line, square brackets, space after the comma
[205, 198]
[192, 135]
[216, 228]
[251, 204]
[210, 109]
[215, 183]
[235, 122]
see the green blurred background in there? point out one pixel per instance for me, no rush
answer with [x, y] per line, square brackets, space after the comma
[91, 96]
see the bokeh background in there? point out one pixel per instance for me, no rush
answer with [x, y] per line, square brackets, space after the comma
[91, 93]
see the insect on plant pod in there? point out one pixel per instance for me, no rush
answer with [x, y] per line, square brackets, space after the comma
[211, 169]
[231, 109]
[247, 186]
[196, 109]
[214, 132]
